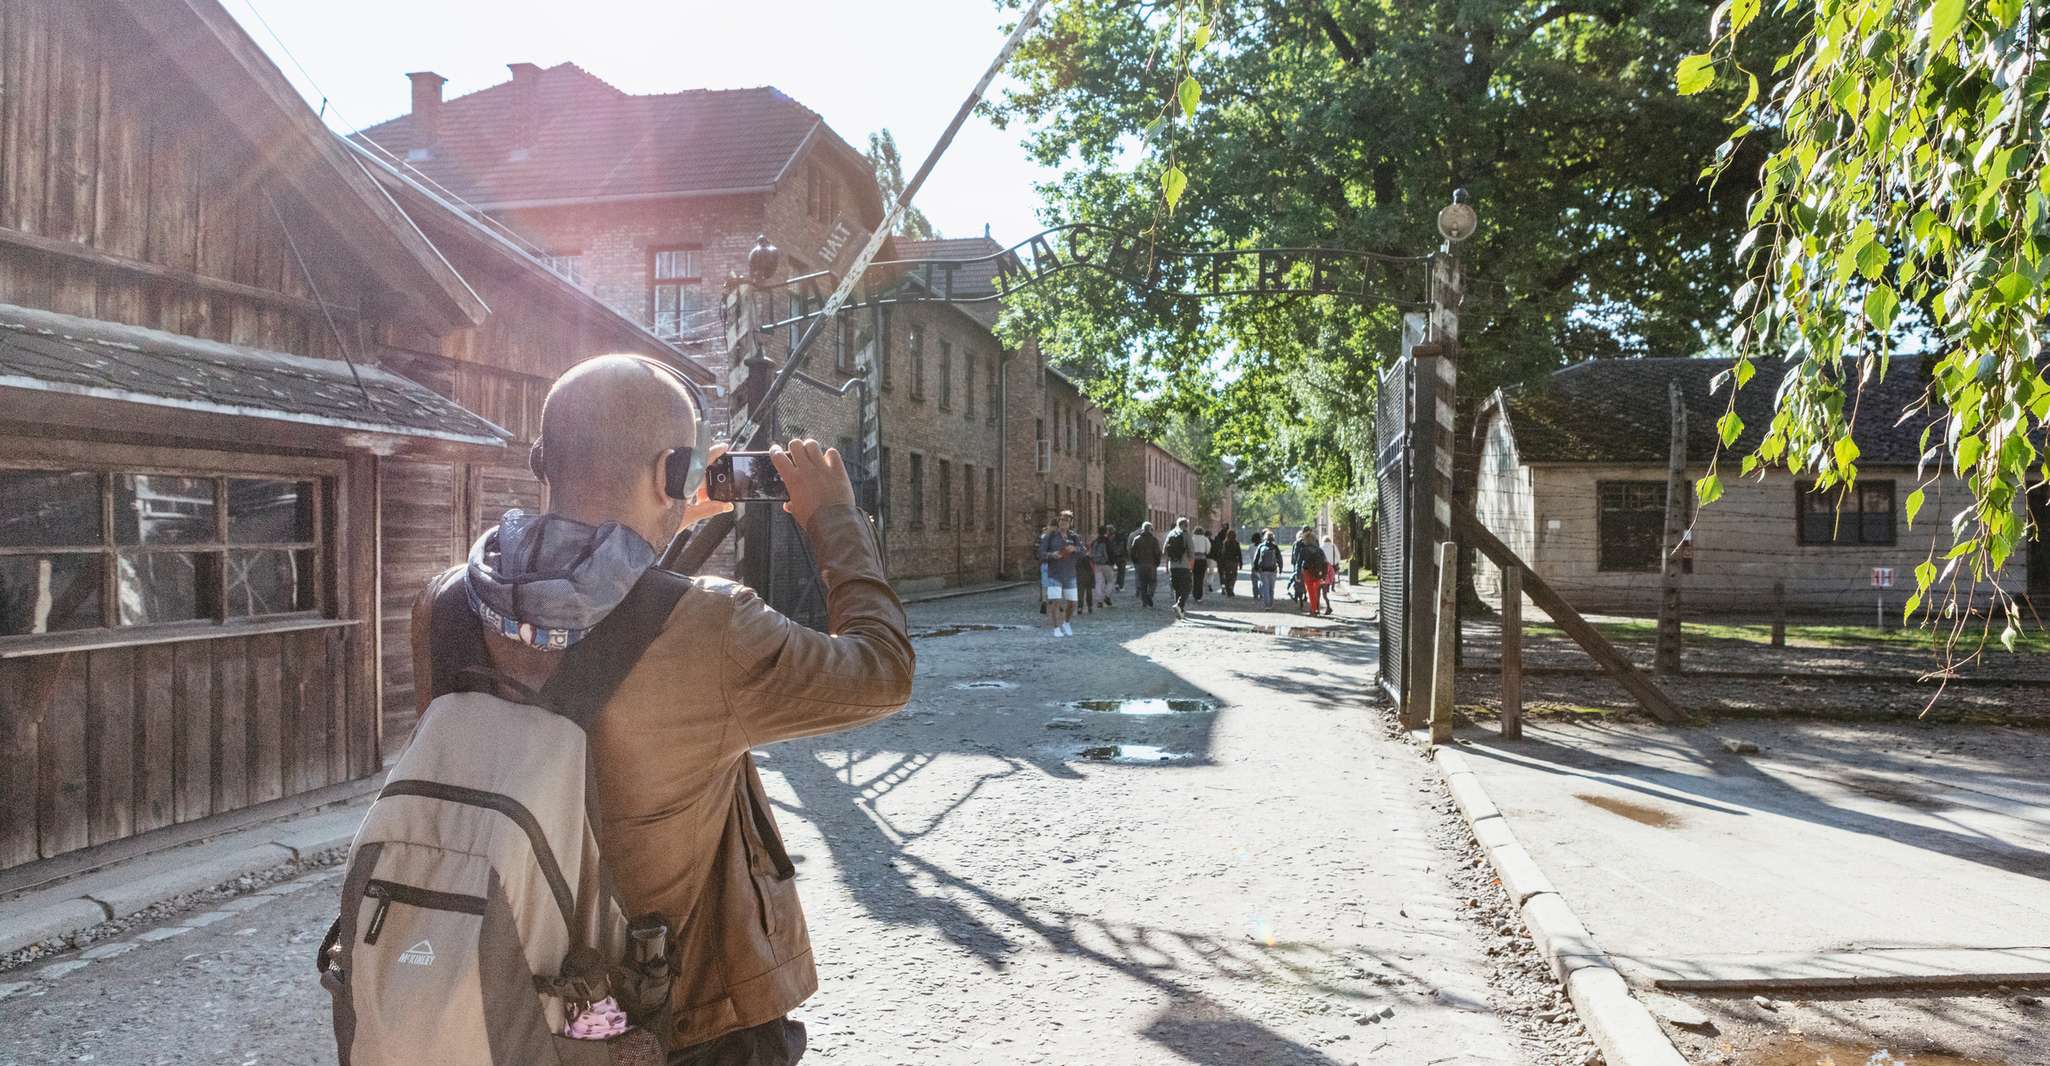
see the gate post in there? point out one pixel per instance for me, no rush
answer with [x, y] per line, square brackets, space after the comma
[748, 382]
[1432, 431]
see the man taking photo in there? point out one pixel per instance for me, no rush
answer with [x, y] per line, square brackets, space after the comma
[685, 827]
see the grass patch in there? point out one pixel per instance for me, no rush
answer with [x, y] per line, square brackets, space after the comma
[1805, 635]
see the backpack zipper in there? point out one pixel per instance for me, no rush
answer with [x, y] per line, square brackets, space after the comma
[388, 892]
[544, 856]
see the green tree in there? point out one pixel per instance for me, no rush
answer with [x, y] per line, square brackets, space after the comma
[1903, 200]
[1348, 123]
[889, 165]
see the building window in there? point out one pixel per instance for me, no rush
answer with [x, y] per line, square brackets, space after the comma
[992, 393]
[918, 363]
[946, 495]
[946, 375]
[989, 497]
[821, 196]
[917, 491]
[567, 265]
[189, 548]
[967, 496]
[884, 503]
[883, 344]
[843, 343]
[803, 302]
[968, 384]
[676, 289]
[1861, 514]
[1631, 524]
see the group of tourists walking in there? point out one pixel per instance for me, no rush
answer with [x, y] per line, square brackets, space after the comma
[1192, 557]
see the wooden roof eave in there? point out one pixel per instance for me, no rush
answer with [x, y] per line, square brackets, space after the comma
[254, 97]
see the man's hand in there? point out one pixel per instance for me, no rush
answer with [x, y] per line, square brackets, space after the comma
[815, 477]
[701, 506]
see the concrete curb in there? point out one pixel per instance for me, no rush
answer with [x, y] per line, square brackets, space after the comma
[70, 908]
[1620, 1025]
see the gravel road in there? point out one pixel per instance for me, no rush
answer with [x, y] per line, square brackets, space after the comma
[999, 876]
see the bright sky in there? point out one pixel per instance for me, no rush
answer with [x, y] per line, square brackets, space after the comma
[905, 65]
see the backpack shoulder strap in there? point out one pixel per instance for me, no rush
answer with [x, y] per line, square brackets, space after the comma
[454, 636]
[593, 668]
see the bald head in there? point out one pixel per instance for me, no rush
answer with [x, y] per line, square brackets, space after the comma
[604, 425]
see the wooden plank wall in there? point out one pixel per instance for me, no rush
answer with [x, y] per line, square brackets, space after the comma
[421, 526]
[104, 145]
[104, 744]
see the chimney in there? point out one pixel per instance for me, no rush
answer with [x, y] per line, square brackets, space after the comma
[427, 105]
[526, 79]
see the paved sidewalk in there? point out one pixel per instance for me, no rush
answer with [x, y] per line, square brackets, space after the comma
[73, 905]
[1831, 860]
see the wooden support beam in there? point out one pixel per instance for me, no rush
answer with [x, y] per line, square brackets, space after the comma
[79, 253]
[1512, 653]
[1447, 630]
[1648, 695]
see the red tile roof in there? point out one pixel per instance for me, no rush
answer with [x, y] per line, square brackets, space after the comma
[584, 139]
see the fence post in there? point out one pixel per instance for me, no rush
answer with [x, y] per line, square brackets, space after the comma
[1779, 613]
[1667, 658]
[1512, 653]
[1447, 618]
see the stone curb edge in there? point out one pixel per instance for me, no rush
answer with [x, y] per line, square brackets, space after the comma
[77, 914]
[1620, 1025]
[907, 599]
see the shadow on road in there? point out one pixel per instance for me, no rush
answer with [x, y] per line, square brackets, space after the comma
[895, 886]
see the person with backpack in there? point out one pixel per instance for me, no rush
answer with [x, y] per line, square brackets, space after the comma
[1229, 556]
[1311, 568]
[1199, 559]
[574, 859]
[1180, 554]
[1266, 566]
[1145, 552]
[1085, 583]
[1100, 551]
[1118, 554]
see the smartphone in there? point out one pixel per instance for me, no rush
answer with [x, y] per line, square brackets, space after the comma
[737, 477]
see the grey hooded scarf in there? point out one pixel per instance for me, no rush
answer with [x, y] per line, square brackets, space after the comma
[545, 580]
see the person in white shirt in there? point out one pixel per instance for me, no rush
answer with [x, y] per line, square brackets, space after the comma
[1199, 552]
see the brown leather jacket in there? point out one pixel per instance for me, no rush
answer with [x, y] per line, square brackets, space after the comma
[688, 832]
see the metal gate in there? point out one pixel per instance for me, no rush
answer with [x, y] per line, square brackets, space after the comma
[1392, 423]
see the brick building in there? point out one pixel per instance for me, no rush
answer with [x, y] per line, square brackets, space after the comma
[651, 202]
[1051, 448]
[1166, 486]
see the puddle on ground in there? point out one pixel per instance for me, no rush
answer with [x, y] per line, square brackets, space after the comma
[985, 684]
[1797, 1051]
[1148, 705]
[1132, 753]
[1636, 812]
[964, 627]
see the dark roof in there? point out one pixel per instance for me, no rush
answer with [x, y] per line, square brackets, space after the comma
[972, 282]
[42, 350]
[582, 139]
[1616, 411]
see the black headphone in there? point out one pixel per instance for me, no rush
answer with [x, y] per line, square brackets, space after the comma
[685, 468]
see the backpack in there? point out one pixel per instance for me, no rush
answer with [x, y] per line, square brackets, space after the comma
[1266, 557]
[1177, 547]
[1099, 552]
[477, 920]
[1314, 562]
